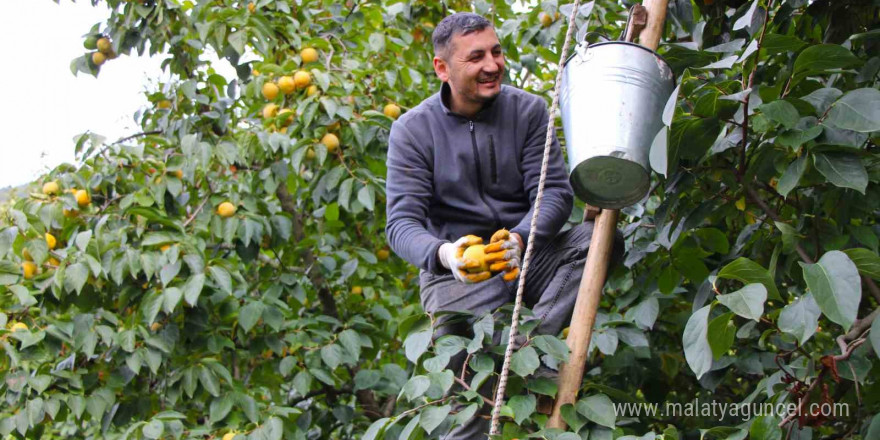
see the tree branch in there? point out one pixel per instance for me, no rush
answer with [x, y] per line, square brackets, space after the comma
[464, 384]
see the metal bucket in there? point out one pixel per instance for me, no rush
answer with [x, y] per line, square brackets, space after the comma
[612, 100]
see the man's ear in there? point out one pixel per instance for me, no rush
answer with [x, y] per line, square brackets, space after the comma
[441, 69]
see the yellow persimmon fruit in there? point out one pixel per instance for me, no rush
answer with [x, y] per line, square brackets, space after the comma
[741, 204]
[252, 7]
[565, 332]
[309, 55]
[229, 436]
[53, 261]
[19, 326]
[270, 90]
[226, 209]
[286, 84]
[477, 253]
[331, 142]
[26, 255]
[155, 326]
[382, 254]
[98, 58]
[178, 174]
[392, 111]
[51, 241]
[28, 269]
[545, 19]
[103, 45]
[164, 247]
[270, 111]
[82, 197]
[302, 79]
[312, 90]
[164, 104]
[51, 188]
[310, 154]
[357, 290]
[70, 213]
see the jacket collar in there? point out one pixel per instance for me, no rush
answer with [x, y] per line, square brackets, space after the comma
[446, 96]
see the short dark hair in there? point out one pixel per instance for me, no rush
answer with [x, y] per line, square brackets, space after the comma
[460, 23]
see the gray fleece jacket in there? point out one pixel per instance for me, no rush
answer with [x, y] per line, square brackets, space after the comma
[449, 176]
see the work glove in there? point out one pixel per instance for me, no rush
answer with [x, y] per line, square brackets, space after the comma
[452, 257]
[503, 253]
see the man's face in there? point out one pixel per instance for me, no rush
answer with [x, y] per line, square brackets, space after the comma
[473, 66]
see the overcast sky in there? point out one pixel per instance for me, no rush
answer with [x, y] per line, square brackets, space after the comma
[44, 105]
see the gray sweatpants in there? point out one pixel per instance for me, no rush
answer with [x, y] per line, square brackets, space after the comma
[551, 291]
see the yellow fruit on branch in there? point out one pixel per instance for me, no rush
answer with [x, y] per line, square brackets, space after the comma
[309, 55]
[28, 269]
[98, 58]
[164, 104]
[19, 326]
[392, 111]
[164, 247]
[312, 90]
[82, 197]
[270, 90]
[51, 188]
[545, 19]
[288, 119]
[103, 45]
[477, 253]
[286, 84]
[229, 436]
[310, 154]
[331, 142]
[226, 209]
[53, 262]
[70, 213]
[270, 111]
[382, 254]
[357, 290]
[26, 255]
[302, 79]
[252, 7]
[155, 326]
[51, 241]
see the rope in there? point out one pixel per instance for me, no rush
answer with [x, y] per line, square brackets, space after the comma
[551, 122]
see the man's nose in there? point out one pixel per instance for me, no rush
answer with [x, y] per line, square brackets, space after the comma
[490, 65]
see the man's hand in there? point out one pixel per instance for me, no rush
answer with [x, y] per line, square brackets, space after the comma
[452, 257]
[504, 253]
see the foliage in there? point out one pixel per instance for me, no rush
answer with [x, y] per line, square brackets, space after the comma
[751, 262]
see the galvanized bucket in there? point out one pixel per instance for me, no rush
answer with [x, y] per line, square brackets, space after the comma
[612, 99]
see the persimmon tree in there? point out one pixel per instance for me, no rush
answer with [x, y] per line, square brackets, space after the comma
[223, 271]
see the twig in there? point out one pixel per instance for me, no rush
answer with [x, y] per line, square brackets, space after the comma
[351, 173]
[410, 411]
[197, 211]
[745, 125]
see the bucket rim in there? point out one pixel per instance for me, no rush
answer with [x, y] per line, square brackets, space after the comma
[625, 43]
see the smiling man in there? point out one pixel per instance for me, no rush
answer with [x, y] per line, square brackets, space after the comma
[463, 168]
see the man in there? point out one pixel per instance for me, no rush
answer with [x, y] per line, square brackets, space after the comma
[463, 167]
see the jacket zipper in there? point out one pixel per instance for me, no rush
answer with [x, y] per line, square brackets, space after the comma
[480, 175]
[494, 167]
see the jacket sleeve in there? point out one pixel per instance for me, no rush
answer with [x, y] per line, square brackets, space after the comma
[409, 188]
[558, 196]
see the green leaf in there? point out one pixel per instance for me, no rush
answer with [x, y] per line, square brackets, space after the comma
[75, 277]
[416, 344]
[407, 433]
[376, 429]
[747, 302]
[858, 110]
[713, 240]
[795, 138]
[775, 43]
[835, 283]
[721, 334]
[525, 361]
[523, 406]
[789, 236]
[250, 314]
[366, 379]
[222, 278]
[302, 382]
[874, 428]
[781, 112]
[747, 271]
[193, 288]
[38, 249]
[552, 346]
[572, 417]
[843, 170]
[599, 409]
[170, 299]
[220, 408]
[800, 318]
[433, 416]
[697, 350]
[367, 197]
[822, 57]
[867, 262]
[765, 427]
[691, 138]
[332, 355]
[154, 429]
[791, 176]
